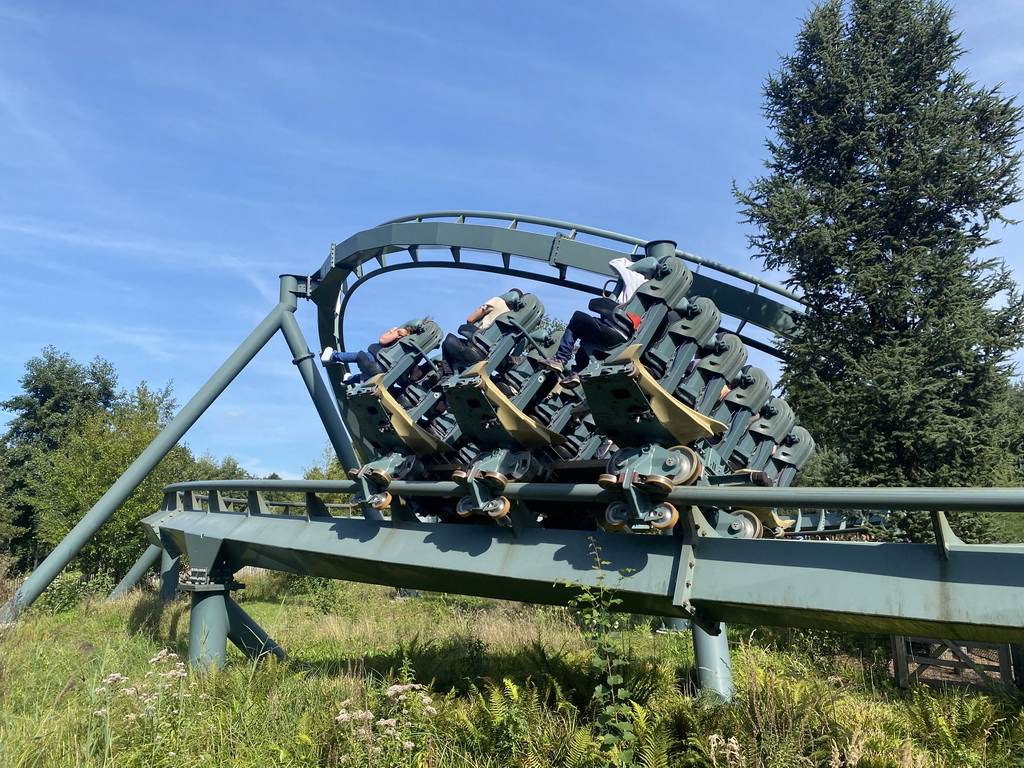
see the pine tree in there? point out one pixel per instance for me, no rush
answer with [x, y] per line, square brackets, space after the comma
[887, 168]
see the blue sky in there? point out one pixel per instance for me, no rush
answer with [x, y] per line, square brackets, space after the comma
[163, 163]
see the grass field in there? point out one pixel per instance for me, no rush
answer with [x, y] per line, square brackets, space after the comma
[438, 680]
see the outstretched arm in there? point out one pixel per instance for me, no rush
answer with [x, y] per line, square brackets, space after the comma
[478, 314]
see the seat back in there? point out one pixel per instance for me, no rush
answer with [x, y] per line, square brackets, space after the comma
[693, 326]
[669, 285]
[793, 453]
[500, 338]
[702, 386]
[768, 432]
[420, 343]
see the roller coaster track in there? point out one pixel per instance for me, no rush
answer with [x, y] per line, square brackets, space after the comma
[709, 567]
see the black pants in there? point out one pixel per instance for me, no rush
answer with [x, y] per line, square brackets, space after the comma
[589, 330]
[456, 350]
[367, 361]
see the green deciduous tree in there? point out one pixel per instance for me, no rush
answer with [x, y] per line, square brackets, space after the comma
[64, 483]
[73, 434]
[886, 170]
[58, 395]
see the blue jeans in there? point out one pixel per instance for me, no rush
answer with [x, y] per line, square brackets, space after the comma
[344, 357]
[347, 357]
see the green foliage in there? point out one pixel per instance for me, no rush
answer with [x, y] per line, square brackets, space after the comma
[66, 481]
[551, 324]
[70, 589]
[104, 684]
[617, 715]
[58, 395]
[73, 434]
[956, 725]
[887, 168]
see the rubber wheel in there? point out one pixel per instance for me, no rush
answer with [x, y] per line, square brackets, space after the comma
[607, 481]
[690, 466]
[465, 507]
[658, 484]
[501, 509]
[618, 459]
[353, 473]
[381, 476]
[664, 516]
[616, 514]
[752, 523]
[380, 500]
[495, 480]
[459, 476]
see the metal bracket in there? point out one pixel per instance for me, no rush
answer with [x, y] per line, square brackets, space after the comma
[944, 536]
[694, 527]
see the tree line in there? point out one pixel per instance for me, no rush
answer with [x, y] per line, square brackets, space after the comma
[71, 434]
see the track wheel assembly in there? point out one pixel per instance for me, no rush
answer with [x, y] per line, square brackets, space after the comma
[498, 508]
[607, 481]
[663, 516]
[658, 484]
[746, 525]
[380, 500]
[615, 517]
[689, 465]
[465, 507]
[495, 480]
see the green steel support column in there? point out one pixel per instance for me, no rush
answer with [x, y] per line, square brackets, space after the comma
[249, 636]
[322, 399]
[170, 570]
[675, 624]
[94, 519]
[714, 665]
[143, 564]
[208, 629]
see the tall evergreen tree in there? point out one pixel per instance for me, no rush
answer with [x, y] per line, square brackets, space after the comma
[887, 168]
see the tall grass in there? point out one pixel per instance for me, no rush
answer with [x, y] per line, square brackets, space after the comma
[449, 681]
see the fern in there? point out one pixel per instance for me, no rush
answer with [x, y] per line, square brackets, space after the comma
[653, 740]
[956, 724]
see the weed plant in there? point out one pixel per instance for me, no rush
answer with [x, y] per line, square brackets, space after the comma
[380, 680]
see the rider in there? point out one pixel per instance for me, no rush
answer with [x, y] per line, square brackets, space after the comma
[456, 350]
[599, 331]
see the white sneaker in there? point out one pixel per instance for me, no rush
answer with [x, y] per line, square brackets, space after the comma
[325, 356]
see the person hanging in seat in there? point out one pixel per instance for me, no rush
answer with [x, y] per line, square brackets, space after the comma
[457, 350]
[366, 359]
[601, 331]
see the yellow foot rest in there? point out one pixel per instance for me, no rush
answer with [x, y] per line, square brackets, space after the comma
[526, 431]
[421, 442]
[685, 424]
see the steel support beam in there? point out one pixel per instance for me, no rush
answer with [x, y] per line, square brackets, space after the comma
[714, 663]
[249, 636]
[170, 573]
[146, 561]
[94, 519]
[208, 629]
[976, 593]
[323, 401]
